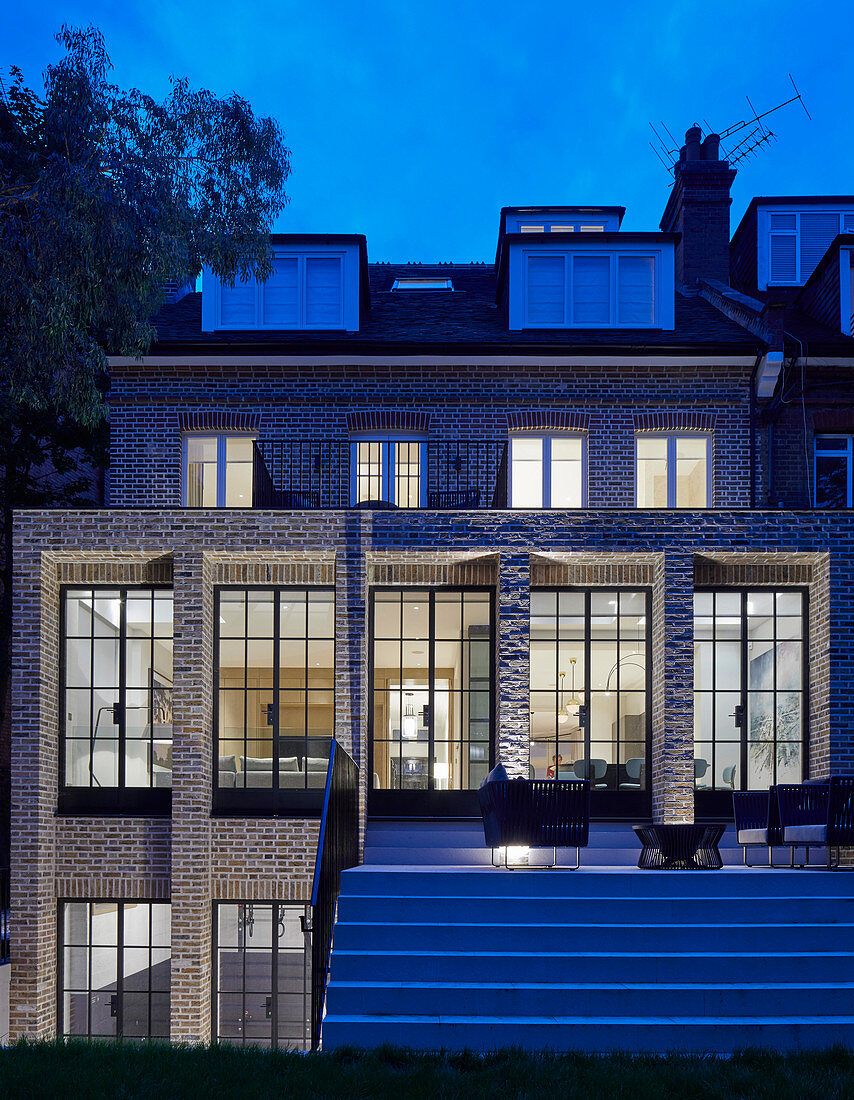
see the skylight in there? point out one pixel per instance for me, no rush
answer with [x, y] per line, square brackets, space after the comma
[422, 284]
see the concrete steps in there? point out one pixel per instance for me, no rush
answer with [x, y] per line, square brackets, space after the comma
[460, 843]
[599, 959]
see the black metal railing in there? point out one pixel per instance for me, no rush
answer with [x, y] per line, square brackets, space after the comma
[5, 894]
[316, 473]
[337, 849]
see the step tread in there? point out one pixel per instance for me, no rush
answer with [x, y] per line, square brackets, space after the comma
[624, 986]
[670, 955]
[600, 1021]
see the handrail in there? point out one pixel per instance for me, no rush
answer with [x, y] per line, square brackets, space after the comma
[337, 849]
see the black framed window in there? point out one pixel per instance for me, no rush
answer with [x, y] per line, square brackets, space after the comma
[116, 699]
[749, 688]
[114, 971]
[262, 975]
[275, 696]
[590, 687]
[432, 688]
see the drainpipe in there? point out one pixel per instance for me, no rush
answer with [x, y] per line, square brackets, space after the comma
[753, 431]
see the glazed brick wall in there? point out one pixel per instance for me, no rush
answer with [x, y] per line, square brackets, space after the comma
[464, 402]
[202, 858]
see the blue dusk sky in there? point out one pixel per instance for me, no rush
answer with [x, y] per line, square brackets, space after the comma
[414, 124]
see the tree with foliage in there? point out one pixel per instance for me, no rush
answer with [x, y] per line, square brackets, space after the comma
[105, 196]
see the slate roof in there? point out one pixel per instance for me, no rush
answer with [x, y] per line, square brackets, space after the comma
[465, 320]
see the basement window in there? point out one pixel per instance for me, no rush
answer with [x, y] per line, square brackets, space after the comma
[422, 284]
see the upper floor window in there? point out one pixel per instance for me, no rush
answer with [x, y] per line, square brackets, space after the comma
[116, 697]
[834, 463]
[792, 242]
[389, 470]
[561, 227]
[275, 695]
[673, 471]
[547, 471]
[218, 470]
[314, 284]
[589, 289]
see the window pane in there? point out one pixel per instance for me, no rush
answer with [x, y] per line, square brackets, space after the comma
[636, 290]
[526, 472]
[322, 291]
[831, 481]
[591, 290]
[201, 471]
[691, 473]
[546, 290]
[566, 473]
[652, 471]
[280, 303]
[369, 471]
[239, 455]
[407, 474]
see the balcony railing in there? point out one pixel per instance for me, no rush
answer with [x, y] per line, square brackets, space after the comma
[317, 473]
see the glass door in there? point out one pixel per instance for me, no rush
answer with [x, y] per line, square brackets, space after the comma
[431, 714]
[590, 694]
[749, 693]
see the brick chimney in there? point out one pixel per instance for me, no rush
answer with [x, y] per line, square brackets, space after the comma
[698, 208]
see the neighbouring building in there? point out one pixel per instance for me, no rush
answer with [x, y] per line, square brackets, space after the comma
[585, 510]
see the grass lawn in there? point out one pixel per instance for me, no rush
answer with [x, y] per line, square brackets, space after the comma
[110, 1070]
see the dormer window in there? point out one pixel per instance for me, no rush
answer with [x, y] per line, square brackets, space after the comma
[561, 227]
[590, 289]
[312, 286]
[422, 284]
[792, 241]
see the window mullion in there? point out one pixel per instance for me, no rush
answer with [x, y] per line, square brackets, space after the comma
[277, 661]
[122, 685]
[547, 471]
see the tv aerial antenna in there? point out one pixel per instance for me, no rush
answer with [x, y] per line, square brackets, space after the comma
[739, 142]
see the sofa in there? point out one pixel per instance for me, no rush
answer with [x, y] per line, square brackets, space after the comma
[295, 772]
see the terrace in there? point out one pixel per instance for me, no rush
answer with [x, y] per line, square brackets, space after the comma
[330, 473]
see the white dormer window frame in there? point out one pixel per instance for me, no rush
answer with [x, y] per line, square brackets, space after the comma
[781, 259]
[562, 223]
[303, 260]
[312, 288]
[598, 288]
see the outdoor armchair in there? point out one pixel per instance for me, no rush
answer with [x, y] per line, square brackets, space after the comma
[818, 815]
[536, 813]
[757, 821]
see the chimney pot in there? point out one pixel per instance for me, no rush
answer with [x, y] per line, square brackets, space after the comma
[711, 147]
[692, 143]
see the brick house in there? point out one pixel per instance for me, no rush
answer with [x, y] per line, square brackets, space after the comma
[585, 511]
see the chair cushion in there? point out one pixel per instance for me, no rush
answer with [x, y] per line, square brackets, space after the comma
[752, 836]
[497, 775]
[805, 834]
[226, 778]
[228, 764]
[288, 764]
[317, 763]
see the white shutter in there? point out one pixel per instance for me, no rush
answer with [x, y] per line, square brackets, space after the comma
[848, 223]
[817, 232]
[237, 304]
[280, 300]
[323, 292]
[591, 290]
[546, 290]
[636, 290]
[782, 256]
[781, 222]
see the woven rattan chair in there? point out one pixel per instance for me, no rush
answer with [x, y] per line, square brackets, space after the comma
[536, 813]
[757, 821]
